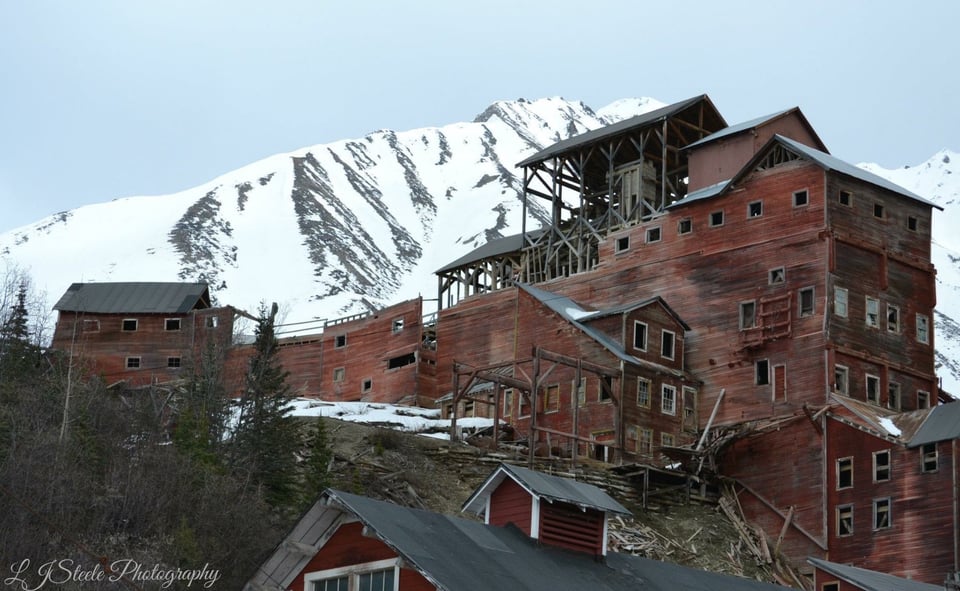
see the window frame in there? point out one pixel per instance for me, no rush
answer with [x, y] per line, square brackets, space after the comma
[366, 385]
[879, 468]
[649, 389]
[621, 244]
[761, 370]
[755, 209]
[133, 362]
[845, 371]
[929, 458]
[168, 322]
[354, 572]
[874, 321]
[90, 325]
[684, 226]
[923, 399]
[887, 503]
[713, 218]
[894, 395]
[339, 375]
[913, 223]
[803, 311]
[174, 362]
[841, 509]
[653, 234]
[555, 407]
[672, 340]
[340, 341]
[869, 379]
[212, 322]
[844, 465]
[879, 211]
[667, 439]
[135, 323]
[925, 331]
[748, 312]
[668, 409]
[893, 309]
[645, 332]
[841, 304]
[507, 402]
[797, 201]
[397, 325]
[777, 276]
[645, 440]
[845, 198]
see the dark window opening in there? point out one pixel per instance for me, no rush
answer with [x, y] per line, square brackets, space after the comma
[763, 372]
[133, 362]
[806, 301]
[844, 473]
[606, 388]
[653, 234]
[881, 466]
[402, 360]
[800, 198]
[685, 226]
[845, 198]
[881, 514]
[877, 210]
[716, 218]
[129, 325]
[171, 324]
[623, 243]
[778, 275]
[928, 458]
[845, 520]
[912, 224]
[340, 341]
[367, 385]
[213, 321]
[173, 362]
[755, 209]
[639, 336]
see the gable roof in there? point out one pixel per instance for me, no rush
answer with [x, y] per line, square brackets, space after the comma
[759, 121]
[544, 486]
[456, 554]
[870, 580]
[822, 159]
[493, 248]
[620, 127]
[941, 424]
[134, 298]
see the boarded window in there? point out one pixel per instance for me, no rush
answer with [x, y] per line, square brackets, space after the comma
[552, 401]
[91, 326]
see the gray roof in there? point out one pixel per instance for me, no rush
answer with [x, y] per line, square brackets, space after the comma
[545, 486]
[869, 580]
[134, 298]
[942, 424]
[459, 555]
[497, 247]
[734, 129]
[615, 129]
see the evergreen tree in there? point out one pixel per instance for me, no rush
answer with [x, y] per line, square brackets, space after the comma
[203, 409]
[266, 440]
[18, 356]
[316, 475]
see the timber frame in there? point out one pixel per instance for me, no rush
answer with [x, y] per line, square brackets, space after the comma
[607, 179]
[542, 364]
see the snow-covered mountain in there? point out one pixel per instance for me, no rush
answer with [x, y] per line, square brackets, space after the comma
[339, 228]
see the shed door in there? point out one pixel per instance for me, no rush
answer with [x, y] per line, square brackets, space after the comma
[779, 383]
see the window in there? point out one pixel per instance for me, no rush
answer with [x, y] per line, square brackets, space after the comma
[716, 218]
[845, 520]
[929, 462]
[831, 586]
[667, 344]
[372, 576]
[777, 276]
[912, 223]
[338, 374]
[91, 326]
[748, 315]
[645, 443]
[582, 392]
[402, 360]
[893, 318]
[844, 473]
[841, 380]
[133, 363]
[881, 466]
[668, 400]
[800, 198]
[881, 513]
[507, 402]
[840, 301]
[923, 399]
[213, 321]
[173, 362]
[340, 341]
[605, 388]
[755, 209]
[762, 372]
[524, 405]
[171, 324]
[367, 385]
[873, 389]
[643, 392]
[806, 301]
[684, 226]
[845, 198]
[653, 234]
[397, 325]
[639, 335]
[923, 329]
[873, 312]
[622, 244]
[129, 325]
[893, 395]
[878, 210]
[552, 401]
[666, 440]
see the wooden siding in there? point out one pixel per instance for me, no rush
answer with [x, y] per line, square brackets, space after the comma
[566, 526]
[348, 546]
[920, 542]
[821, 578]
[511, 503]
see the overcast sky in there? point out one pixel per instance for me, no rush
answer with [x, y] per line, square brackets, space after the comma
[102, 99]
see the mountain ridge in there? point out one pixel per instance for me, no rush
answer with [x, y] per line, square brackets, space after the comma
[357, 224]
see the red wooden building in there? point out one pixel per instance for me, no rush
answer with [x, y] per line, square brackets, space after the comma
[347, 542]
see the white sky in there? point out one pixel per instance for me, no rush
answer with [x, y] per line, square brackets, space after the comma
[102, 99]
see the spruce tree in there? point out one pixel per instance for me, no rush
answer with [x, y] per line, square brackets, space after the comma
[266, 440]
[316, 475]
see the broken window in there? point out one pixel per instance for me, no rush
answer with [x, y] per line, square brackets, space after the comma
[639, 335]
[893, 318]
[213, 321]
[873, 389]
[929, 462]
[777, 276]
[845, 520]
[881, 513]
[923, 329]
[881, 466]
[873, 312]
[844, 473]
[397, 325]
[762, 372]
[606, 388]
[893, 395]
[755, 209]
[841, 379]
[748, 315]
[402, 360]
[806, 301]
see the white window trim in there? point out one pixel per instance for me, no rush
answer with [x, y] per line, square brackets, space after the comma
[126, 362]
[663, 407]
[836, 300]
[649, 391]
[646, 234]
[673, 348]
[179, 324]
[750, 206]
[753, 319]
[621, 244]
[646, 335]
[866, 312]
[846, 382]
[850, 458]
[135, 321]
[353, 571]
[793, 200]
[722, 218]
[926, 336]
[896, 328]
[866, 388]
[889, 465]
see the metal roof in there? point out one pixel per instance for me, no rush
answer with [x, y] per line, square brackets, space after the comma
[942, 424]
[497, 247]
[870, 580]
[134, 298]
[624, 126]
[734, 129]
[545, 486]
[456, 554]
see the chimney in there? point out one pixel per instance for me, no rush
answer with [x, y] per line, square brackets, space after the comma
[556, 511]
